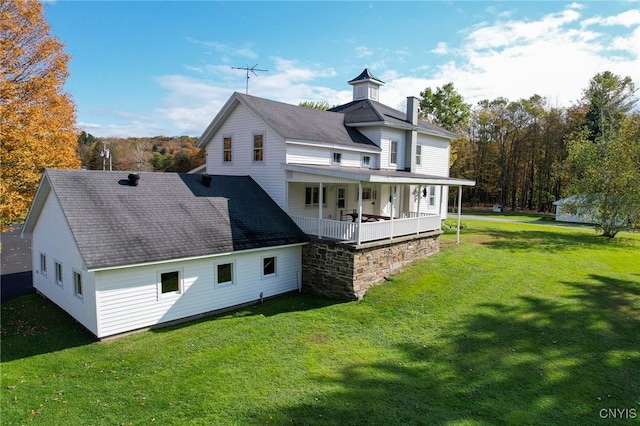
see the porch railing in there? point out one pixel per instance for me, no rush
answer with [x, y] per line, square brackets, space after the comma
[369, 231]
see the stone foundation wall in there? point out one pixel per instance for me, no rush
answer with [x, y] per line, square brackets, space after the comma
[343, 271]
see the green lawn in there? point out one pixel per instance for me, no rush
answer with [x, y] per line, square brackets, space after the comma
[519, 324]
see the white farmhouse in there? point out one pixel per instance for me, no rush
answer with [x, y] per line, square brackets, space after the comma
[330, 202]
[359, 172]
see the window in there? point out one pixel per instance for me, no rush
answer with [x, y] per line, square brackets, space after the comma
[393, 156]
[226, 149]
[432, 195]
[77, 284]
[268, 266]
[258, 147]
[368, 193]
[170, 282]
[224, 273]
[418, 155]
[337, 158]
[311, 196]
[366, 161]
[341, 197]
[58, 267]
[43, 264]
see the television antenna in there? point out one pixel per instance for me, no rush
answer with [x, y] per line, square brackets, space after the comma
[253, 69]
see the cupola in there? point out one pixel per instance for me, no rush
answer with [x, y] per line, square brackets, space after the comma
[366, 86]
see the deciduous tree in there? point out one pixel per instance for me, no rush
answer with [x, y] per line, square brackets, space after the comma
[37, 129]
[605, 163]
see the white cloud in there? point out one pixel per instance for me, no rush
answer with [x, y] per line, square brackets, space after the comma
[554, 56]
[441, 48]
[362, 52]
[626, 19]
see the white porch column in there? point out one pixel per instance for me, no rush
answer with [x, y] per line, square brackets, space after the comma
[459, 213]
[393, 202]
[418, 215]
[441, 201]
[358, 238]
[320, 202]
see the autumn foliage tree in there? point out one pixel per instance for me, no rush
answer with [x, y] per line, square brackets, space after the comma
[37, 125]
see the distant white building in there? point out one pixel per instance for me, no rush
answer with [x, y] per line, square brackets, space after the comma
[562, 214]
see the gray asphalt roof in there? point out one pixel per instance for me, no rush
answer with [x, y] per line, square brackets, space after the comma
[166, 216]
[368, 111]
[296, 122]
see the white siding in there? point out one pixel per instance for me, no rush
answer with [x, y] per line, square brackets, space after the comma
[323, 156]
[310, 155]
[52, 236]
[130, 298]
[241, 125]
[435, 156]
[387, 136]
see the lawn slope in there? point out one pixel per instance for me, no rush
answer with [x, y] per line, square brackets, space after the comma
[518, 324]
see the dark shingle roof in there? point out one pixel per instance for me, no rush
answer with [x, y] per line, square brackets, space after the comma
[369, 111]
[364, 76]
[167, 216]
[296, 122]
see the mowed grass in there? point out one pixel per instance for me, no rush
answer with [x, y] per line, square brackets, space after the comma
[518, 324]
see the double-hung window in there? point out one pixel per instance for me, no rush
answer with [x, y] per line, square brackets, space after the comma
[43, 264]
[258, 148]
[77, 284]
[432, 195]
[227, 149]
[366, 161]
[418, 155]
[58, 267]
[393, 153]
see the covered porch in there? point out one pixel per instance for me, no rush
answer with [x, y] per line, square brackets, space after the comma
[362, 205]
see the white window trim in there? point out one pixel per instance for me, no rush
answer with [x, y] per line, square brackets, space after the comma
[253, 147]
[312, 204]
[335, 154]
[170, 294]
[418, 155]
[233, 275]
[75, 288]
[59, 280]
[362, 163]
[391, 142]
[43, 264]
[227, 163]
[275, 260]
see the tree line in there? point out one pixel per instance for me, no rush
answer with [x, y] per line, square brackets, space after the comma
[158, 154]
[526, 154]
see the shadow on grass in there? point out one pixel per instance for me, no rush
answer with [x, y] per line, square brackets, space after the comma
[32, 325]
[536, 361]
[284, 303]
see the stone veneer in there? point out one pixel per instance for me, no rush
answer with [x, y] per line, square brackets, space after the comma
[344, 271]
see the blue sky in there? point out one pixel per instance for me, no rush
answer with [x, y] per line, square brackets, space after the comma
[152, 68]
